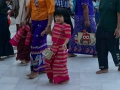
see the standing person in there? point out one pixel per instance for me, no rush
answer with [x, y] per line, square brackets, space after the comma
[84, 20]
[6, 48]
[107, 35]
[41, 12]
[66, 4]
[23, 51]
[56, 68]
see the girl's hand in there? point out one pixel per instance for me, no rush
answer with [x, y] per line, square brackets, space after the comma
[64, 46]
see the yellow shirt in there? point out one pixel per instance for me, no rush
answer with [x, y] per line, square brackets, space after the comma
[45, 7]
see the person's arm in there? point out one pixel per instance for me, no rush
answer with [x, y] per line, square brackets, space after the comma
[118, 24]
[28, 14]
[117, 31]
[86, 14]
[67, 31]
[85, 4]
[50, 9]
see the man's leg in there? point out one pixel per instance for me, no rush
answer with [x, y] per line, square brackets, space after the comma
[113, 45]
[102, 52]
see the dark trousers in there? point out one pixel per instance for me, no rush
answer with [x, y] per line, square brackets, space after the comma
[106, 42]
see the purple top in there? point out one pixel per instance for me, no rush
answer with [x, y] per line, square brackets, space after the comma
[79, 9]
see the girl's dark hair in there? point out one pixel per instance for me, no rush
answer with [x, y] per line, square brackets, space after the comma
[61, 12]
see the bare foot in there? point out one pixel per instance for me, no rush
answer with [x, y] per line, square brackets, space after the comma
[72, 55]
[119, 68]
[1, 59]
[50, 80]
[33, 75]
[23, 62]
[63, 82]
[102, 71]
[27, 61]
[11, 55]
[95, 56]
[29, 74]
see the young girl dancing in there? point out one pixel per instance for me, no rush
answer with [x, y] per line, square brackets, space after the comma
[56, 68]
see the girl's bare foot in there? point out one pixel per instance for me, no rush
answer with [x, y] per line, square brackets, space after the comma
[102, 71]
[63, 82]
[50, 80]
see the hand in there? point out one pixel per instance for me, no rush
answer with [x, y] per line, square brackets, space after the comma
[43, 33]
[64, 46]
[87, 23]
[8, 17]
[117, 33]
[46, 31]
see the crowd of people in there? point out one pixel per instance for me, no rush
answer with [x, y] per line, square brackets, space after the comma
[34, 18]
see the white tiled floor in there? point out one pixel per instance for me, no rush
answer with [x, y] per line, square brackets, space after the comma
[81, 70]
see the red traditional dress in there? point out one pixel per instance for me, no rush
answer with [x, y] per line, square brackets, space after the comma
[56, 68]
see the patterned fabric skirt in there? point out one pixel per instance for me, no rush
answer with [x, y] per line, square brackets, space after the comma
[79, 27]
[39, 43]
[56, 68]
[6, 48]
